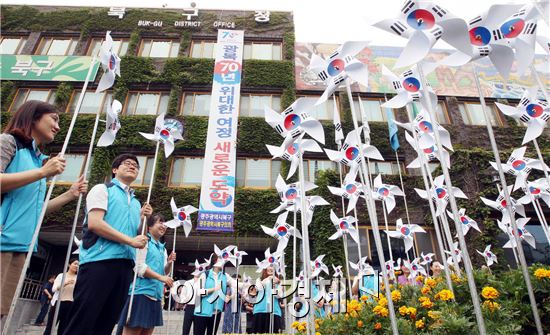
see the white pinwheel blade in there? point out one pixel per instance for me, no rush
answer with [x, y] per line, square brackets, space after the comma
[294, 162]
[398, 101]
[534, 130]
[458, 58]
[358, 72]
[187, 227]
[172, 224]
[314, 129]
[107, 80]
[502, 57]
[352, 48]
[416, 49]
[507, 110]
[456, 34]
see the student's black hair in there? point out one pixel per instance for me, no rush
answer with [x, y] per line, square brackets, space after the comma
[121, 158]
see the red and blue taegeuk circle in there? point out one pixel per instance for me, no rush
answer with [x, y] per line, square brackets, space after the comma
[405, 230]
[182, 216]
[534, 110]
[480, 36]
[421, 19]
[352, 153]
[271, 259]
[464, 220]
[225, 255]
[441, 193]
[344, 225]
[351, 188]
[534, 190]
[411, 84]
[335, 67]
[520, 232]
[282, 231]
[429, 150]
[519, 164]
[291, 194]
[164, 133]
[488, 254]
[112, 62]
[292, 149]
[383, 191]
[425, 126]
[503, 203]
[292, 122]
[512, 28]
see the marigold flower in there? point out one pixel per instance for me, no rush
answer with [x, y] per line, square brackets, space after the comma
[445, 295]
[489, 292]
[541, 273]
[395, 295]
[420, 279]
[364, 298]
[403, 310]
[380, 311]
[411, 311]
[419, 324]
[295, 324]
[430, 282]
[491, 305]
[425, 290]
[378, 326]
[359, 323]
[383, 302]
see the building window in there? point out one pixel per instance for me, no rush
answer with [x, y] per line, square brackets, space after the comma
[324, 111]
[57, 46]
[314, 166]
[196, 104]
[12, 45]
[373, 111]
[440, 113]
[472, 114]
[146, 103]
[417, 172]
[266, 51]
[92, 102]
[253, 105]
[156, 48]
[75, 167]
[145, 170]
[257, 173]
[26, 94]
[384, 168]
[120, 46]
[203, 49]
[186, 171]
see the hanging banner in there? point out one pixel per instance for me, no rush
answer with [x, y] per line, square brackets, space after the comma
[217, 202]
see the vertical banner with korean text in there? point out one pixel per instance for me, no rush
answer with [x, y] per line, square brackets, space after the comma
[217, 200]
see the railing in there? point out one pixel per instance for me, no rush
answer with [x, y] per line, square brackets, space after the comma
[31, 289]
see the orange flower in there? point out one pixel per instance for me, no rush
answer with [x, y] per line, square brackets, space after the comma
[380, 311]
[419, 324]
[430, 282]
[359, 323]
[403, 310]
[378, 326]
[425, 290]
[395, 295]
[489, 292]
[445, 295]
[364, 298]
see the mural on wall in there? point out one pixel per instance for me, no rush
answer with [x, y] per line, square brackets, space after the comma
[445, 80]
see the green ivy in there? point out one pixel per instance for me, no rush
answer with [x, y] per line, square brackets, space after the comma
[288, 44]
[63, 95]
[7, 93]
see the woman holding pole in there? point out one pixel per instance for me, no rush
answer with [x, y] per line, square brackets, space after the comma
[23, 173]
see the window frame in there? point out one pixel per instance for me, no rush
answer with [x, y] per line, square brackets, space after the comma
[271, 185]
[491, 105]
[194, 93]
[68, 183]
[160, 39]
[143, 170]
[20, 46]
[171, 171]
[75, 92]
[51, 92]
[316, 96]
[39, 50]
[382, 111]
[126, 100]
[271, 95]
[251, 44]
[202, 42]
[101, 39]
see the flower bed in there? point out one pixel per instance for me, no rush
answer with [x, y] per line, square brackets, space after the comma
[431, 308]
